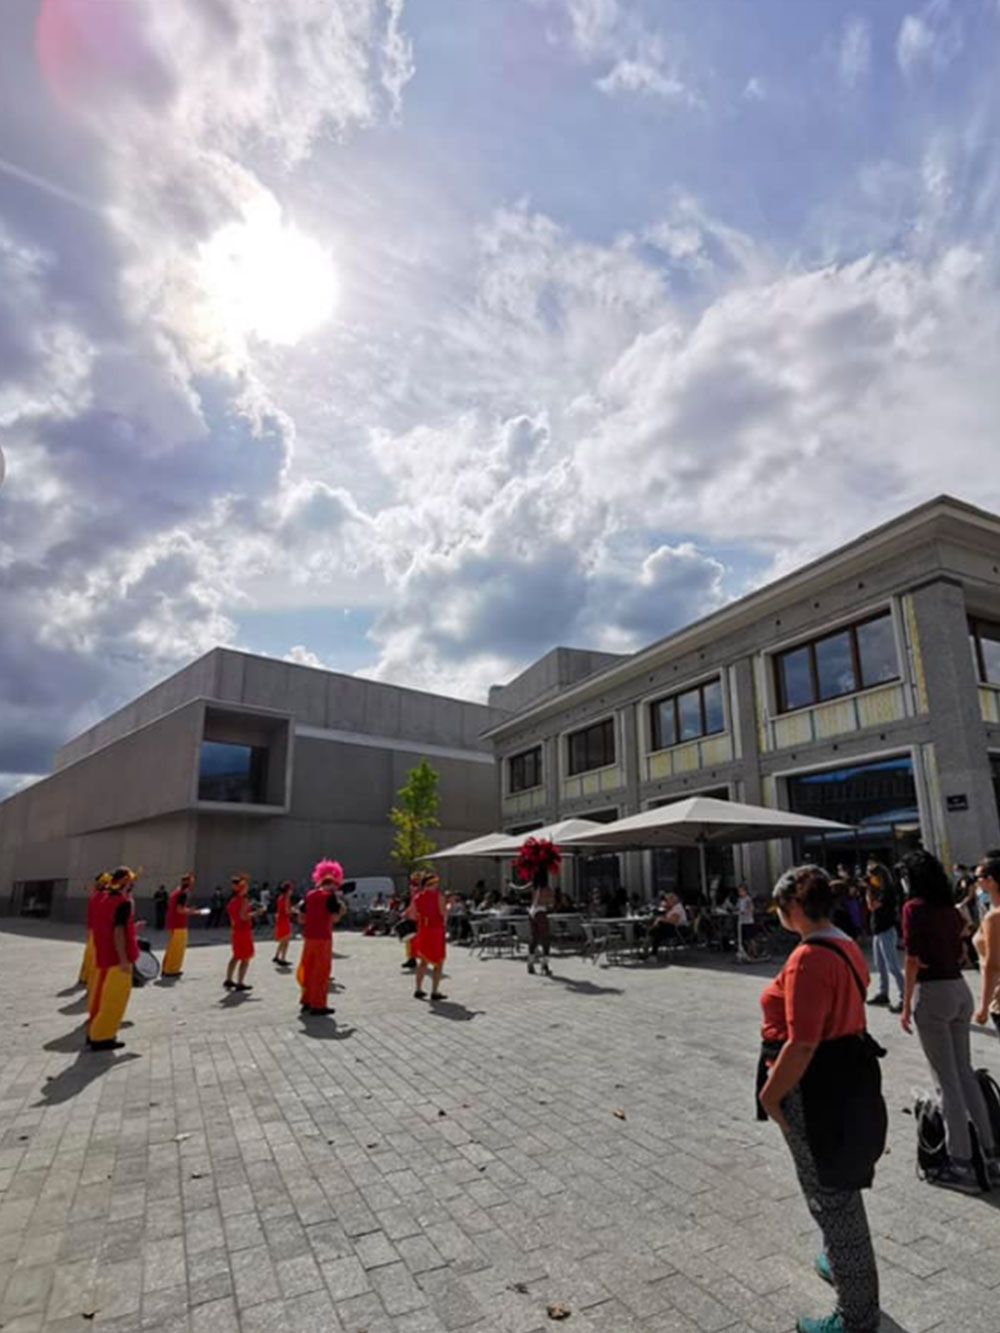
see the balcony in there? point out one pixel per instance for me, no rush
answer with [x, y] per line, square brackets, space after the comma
[837, 717]
[707, 752]
[520, 803]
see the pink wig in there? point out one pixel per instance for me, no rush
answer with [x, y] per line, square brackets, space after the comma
[325, 870]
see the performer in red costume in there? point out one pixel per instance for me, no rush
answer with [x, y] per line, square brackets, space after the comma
[537, 860]
[178, 912]
[241, 914]
[429, 948]
[88, 966]
[115, 951]
[283, 923]
[322, 909]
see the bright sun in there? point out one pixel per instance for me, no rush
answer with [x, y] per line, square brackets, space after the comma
[264, 279]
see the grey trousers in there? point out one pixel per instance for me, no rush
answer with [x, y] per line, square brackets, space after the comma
[841, 1217]
[942, 1014]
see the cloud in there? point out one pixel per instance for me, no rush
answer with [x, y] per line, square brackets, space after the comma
[146, 456]
[755, 90]
[607, 32]
[931, 39]
[854, 61]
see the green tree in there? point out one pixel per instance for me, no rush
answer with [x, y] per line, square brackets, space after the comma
[416, 812]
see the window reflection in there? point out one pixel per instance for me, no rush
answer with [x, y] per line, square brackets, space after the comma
[232, 773]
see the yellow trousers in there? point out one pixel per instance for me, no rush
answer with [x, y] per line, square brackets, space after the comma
[87, 965]
[173, 959]
[113, 988]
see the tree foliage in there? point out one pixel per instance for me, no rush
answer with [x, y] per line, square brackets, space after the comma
[416, 812]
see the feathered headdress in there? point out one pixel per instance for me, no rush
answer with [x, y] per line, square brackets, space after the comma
[537, 857]
[103, 879]
[325, 871]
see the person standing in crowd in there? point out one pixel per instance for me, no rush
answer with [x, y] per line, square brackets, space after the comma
[429, 947]
[938, 1002]
[116, 949]
[818, 1080]
[88, 965]
[322, 909]
[241, 917]
[406, 928]
[160, 907]
[178, 914]
[283, 922]
[666, 927]
[987, 941]
[881, 902]
[218, 910]
[538, 859]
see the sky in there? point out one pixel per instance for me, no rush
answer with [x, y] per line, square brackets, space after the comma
[412, 338]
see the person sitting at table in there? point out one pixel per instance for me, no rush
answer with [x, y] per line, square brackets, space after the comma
[667, 924]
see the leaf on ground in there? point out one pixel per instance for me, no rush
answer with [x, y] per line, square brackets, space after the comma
[442, 1113]
[88, 1314]
[180, 1138]
[371, 1145]
[520, 1287]
[619, 1114]
[557, 1311]
[198, 1175]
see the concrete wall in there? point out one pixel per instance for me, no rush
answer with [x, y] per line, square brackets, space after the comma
[548, 676]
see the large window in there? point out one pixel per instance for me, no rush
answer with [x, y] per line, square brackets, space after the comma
[878, 798]
[986, 650]
[525, 770]
[856, 658]
[686, 716]
[232, 773]
[593, 747]
[995, 768]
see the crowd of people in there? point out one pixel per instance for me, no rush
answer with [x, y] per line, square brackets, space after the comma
[818, 1075]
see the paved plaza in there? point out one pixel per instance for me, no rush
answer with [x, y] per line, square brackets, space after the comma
[585, 1142]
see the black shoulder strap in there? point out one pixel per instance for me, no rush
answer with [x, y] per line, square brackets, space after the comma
[829, 944]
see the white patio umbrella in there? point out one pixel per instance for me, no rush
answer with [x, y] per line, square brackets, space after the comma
[703, 822]
[486, 845]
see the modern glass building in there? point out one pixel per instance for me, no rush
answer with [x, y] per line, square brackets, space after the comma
[864, 688]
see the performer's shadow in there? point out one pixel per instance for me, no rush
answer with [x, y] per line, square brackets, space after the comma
[88, 1066]
[169, 982]
[586, 987]
[69, 1041]
[455, 1011]
[321, 1027]
[233, 999]
[70, 990]
[77, 1007]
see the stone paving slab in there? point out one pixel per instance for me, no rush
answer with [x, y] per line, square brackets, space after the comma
[412, 1169]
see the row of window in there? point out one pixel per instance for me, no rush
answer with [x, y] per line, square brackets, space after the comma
[845, 661]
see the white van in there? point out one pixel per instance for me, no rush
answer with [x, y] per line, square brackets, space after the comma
[366, 890]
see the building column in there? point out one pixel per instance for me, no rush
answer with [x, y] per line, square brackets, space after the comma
[964, 783]
[743, 701]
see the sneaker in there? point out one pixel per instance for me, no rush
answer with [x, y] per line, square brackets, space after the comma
[831, 1323]
[956, 1177]
[419, 995]
[881, 998]
[229, 985]
[438, 995]
[239, 985]
[896, 1008]
[822, 1267]
[321, 1011]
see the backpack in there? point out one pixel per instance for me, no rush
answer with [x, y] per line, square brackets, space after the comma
[991, 1096]
[932, 1151]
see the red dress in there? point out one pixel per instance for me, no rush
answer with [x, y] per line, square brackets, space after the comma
[429, 941]
[283, 916]
[316, 962]
[242, 930]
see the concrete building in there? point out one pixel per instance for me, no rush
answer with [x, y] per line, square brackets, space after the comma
[864, 688]
[241, 763]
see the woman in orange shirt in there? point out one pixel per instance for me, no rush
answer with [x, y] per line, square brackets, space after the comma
[322, 909]
[240, 913]
[283, 923]
[429, 947]
[819, 1081]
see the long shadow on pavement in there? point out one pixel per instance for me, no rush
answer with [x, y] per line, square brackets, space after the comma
[77, 1007]
[455, 1011]
[88, 1066]
[321, 1028]
[69, 1041]
[586, 987]
[233, 999]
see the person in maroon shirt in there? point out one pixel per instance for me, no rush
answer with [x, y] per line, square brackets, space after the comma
[813, 1015]
[938, 1002]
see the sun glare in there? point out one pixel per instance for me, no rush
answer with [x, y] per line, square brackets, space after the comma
[265, 279]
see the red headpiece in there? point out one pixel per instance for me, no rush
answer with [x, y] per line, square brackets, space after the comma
[537, 855]
[325, 871]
